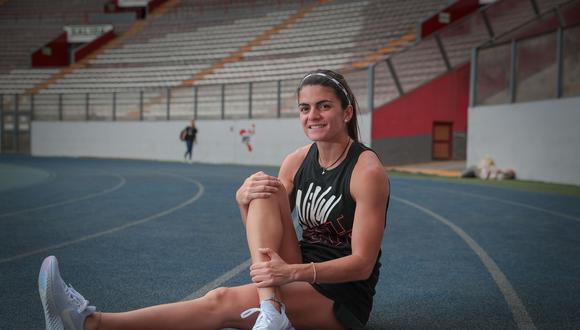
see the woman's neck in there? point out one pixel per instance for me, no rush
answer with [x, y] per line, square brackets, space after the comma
[331, 153]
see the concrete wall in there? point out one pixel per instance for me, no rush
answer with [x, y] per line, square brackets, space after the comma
[404, 150]
[219, 141]
[539, 140]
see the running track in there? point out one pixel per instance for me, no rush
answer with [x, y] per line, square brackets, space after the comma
[130, 234]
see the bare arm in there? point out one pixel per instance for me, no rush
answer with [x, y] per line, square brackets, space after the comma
[370, 190]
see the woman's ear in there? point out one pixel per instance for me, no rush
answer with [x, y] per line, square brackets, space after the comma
[348, 114]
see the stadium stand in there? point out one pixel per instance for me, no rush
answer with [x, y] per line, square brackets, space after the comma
[205, 58]
[178, 48]
[27, 25]
[423, 61]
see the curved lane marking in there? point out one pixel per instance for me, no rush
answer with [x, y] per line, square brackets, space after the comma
[518, 310]
[219, 281]
[112, 230]
[122, 182]
[531, 207]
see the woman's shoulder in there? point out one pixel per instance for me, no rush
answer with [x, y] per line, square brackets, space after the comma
[293, 161]
[369, 169]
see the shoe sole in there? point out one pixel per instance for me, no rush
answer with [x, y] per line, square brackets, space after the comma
[53, 322]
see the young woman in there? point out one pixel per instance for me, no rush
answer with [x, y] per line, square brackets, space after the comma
[326, 281]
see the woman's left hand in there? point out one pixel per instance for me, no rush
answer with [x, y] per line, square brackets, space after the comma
[275, 272]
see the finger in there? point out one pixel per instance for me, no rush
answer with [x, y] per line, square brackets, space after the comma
[257, 265]
[259, 182]
[263, 176]
[264, 284]
[263, 188]
[258, 175]
[264, 250]
[259, 195]
[261, 279]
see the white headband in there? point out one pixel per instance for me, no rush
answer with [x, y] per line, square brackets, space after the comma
[336, 82]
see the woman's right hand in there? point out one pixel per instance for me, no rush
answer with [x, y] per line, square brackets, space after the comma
[258, 185]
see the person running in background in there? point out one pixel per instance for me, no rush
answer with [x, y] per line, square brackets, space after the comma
[327, 280]
[188, 134]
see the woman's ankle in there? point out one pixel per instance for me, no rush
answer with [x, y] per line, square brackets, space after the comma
[93, 321]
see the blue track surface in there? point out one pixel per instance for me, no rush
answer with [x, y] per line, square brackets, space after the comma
[130, 234]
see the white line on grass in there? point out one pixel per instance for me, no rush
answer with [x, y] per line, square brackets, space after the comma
[518, 310]
[195, 197]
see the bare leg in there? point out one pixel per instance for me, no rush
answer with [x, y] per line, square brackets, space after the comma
[221, 308]
[269, 225]
[218, 309]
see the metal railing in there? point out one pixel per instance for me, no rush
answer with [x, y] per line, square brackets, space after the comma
[249, 100]
[533, 67]
[386, 80]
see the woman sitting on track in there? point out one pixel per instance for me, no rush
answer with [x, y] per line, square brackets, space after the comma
[326, 281]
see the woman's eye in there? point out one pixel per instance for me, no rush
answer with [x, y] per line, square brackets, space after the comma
[303, 109]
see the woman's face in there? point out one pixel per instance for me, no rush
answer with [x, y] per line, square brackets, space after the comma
[321, 114]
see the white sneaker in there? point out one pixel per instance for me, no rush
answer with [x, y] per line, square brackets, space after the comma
[269, 318]
[64, 308]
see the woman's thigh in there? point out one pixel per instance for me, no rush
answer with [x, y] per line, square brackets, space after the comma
[307, 308]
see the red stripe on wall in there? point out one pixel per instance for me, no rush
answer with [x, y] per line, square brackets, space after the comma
[443, 99]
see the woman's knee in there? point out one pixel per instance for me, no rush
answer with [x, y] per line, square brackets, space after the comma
[217, 297]
[228, 302]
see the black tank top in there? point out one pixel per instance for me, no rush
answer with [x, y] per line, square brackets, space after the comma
[325, 210]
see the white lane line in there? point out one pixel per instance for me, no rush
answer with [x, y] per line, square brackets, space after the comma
[219, 281]
[225, 276]
[112, 230]
[72, 200]
[518, 310]
[531, 207]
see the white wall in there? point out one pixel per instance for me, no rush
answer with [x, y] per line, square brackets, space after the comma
[219, 141]
[539, 140]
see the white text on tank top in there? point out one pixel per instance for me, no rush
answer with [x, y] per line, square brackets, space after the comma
[314, 207]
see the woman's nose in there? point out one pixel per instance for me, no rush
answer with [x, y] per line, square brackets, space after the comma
[314, 113]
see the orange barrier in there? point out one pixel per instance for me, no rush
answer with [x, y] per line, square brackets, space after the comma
[391, 47]
[238, 54]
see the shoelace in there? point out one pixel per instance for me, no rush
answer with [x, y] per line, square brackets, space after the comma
[76, 298]
[248, 312]
[261, 318]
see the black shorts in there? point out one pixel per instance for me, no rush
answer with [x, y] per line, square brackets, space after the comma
[353, 301]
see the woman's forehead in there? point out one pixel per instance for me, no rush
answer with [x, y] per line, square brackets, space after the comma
[315, 93]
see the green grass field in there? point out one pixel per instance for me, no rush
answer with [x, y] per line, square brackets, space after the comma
[535, 186]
